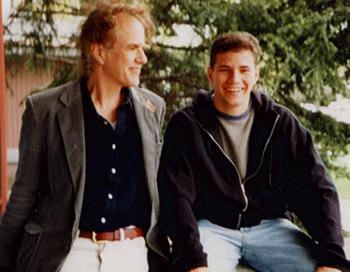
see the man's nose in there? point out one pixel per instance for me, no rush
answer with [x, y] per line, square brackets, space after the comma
[235, 76]
[141, 57]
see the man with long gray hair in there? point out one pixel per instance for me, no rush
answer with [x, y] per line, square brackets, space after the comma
[85, 196]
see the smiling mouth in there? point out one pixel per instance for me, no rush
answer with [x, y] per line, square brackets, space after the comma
[136, 69]
[234, 89]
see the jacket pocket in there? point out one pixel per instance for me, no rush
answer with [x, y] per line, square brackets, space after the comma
[29, 247]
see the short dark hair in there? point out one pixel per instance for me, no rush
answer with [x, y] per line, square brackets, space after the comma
[101, 20]
[235, 41]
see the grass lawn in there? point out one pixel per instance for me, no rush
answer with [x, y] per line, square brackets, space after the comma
[343, 187]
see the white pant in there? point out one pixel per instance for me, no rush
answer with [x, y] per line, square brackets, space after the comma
[112, 256]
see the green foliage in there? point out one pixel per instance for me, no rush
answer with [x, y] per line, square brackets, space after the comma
[305, 43]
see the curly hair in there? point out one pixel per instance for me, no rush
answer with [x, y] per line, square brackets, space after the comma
[101, 20]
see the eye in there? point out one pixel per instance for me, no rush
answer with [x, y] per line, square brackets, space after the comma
[245, 70]
[223, 69]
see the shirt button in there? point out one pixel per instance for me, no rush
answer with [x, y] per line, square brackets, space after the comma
[113, 171]
[103, 220]
[114, 146]
[110, 196]
[105, 122]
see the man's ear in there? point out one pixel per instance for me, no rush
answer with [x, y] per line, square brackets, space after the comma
[97, 52]
[210, 74]
[257, 73]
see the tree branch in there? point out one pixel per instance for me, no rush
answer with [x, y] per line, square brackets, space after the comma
[184, 48]
[187, 80]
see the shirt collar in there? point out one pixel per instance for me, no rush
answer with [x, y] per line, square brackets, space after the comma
[229, 117]
[87, 97]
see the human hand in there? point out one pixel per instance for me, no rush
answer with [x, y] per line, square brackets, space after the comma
[199, 269]
[327, 269]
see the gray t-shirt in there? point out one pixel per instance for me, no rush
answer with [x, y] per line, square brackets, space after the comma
[235, 132]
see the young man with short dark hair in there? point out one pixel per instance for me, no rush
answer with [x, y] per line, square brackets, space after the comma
[234, 166]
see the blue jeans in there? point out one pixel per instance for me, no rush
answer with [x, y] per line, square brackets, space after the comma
[275, 245]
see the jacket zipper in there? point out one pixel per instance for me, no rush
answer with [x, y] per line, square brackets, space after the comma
[234, 165]
[264, 150]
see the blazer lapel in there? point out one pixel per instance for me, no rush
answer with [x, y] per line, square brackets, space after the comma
[71, 122]
[148, 127]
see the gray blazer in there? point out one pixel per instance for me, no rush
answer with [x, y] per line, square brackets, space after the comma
[42, 216]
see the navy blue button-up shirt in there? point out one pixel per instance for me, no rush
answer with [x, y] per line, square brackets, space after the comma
[115, 193]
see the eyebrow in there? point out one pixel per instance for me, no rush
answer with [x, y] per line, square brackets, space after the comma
[229, 66]
[224, 66]
[143, 45]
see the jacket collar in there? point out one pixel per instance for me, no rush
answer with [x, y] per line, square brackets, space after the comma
[71, 122]
[146, 118]
[205, 113]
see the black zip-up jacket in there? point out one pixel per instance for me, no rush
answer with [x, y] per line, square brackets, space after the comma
[285, 175]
